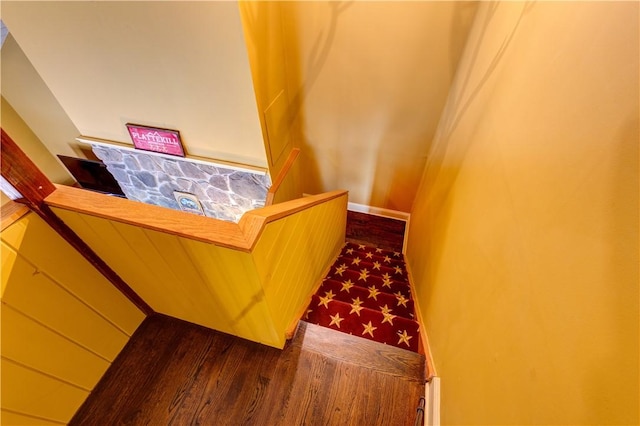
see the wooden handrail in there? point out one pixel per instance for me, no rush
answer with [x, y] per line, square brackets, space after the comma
[252, 222]
[12, 212]
[286, 169]
[238, 236]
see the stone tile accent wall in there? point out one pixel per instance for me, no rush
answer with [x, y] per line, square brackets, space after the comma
[223, 192]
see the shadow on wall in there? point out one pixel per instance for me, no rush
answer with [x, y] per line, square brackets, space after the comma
[304, 80]
[461, 97]
[395, 187]
[464, 14]
[443, 160]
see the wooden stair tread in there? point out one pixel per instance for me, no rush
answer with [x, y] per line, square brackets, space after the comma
[361, 352]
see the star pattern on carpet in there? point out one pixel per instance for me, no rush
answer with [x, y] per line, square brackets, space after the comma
[356, 306]
[346, 286]
[388, 318]
[369, 329]
[385, 309]
[364, 274]
[402, 300]
[404, 338]
[336, 320]
[340, 269]
[373, 292]
[366, 293]
[328, 297]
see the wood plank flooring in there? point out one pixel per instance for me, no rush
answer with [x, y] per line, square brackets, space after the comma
[177, 373]
[376, 231]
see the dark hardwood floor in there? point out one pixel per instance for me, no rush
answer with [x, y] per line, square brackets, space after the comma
[176, 373]
[375, 231]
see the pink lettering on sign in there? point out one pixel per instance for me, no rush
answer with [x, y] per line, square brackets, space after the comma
[164, 141]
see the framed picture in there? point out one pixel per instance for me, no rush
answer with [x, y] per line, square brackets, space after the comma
[164, 141]
[188, 202]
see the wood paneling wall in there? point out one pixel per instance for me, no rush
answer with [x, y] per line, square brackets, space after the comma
[253, 290]
[293, 253]
[63, 324]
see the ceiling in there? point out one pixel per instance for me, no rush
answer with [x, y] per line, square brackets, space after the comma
[366, 81]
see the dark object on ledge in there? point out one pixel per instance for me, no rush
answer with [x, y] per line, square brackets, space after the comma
[92, 175]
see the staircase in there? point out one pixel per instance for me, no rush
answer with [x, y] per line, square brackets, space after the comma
[366, 293]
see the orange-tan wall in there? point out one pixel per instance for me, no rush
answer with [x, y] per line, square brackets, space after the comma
[524, 235]
[62, 323]
[368, 81]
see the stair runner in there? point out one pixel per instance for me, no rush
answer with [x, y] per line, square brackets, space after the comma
[366, 293]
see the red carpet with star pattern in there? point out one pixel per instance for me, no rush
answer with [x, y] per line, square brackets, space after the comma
[366, 294]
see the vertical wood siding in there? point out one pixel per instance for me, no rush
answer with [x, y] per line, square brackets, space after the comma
[252, 294]
[291, 256]
[63, 324]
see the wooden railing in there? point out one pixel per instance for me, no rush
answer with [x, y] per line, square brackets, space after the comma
[283, 188]
[252, 279]
[64, 289]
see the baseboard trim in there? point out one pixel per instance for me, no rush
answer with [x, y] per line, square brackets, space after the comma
[430, 369]
[432, 402]
[378, 211]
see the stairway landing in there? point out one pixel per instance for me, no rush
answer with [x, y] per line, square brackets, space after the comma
[173, 372]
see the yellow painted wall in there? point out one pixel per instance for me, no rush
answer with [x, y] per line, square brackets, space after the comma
[62, 325]
[523, 239]
[253, 295]
[180, 65]
[262, 24]
[18, 130]
[368, 81]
